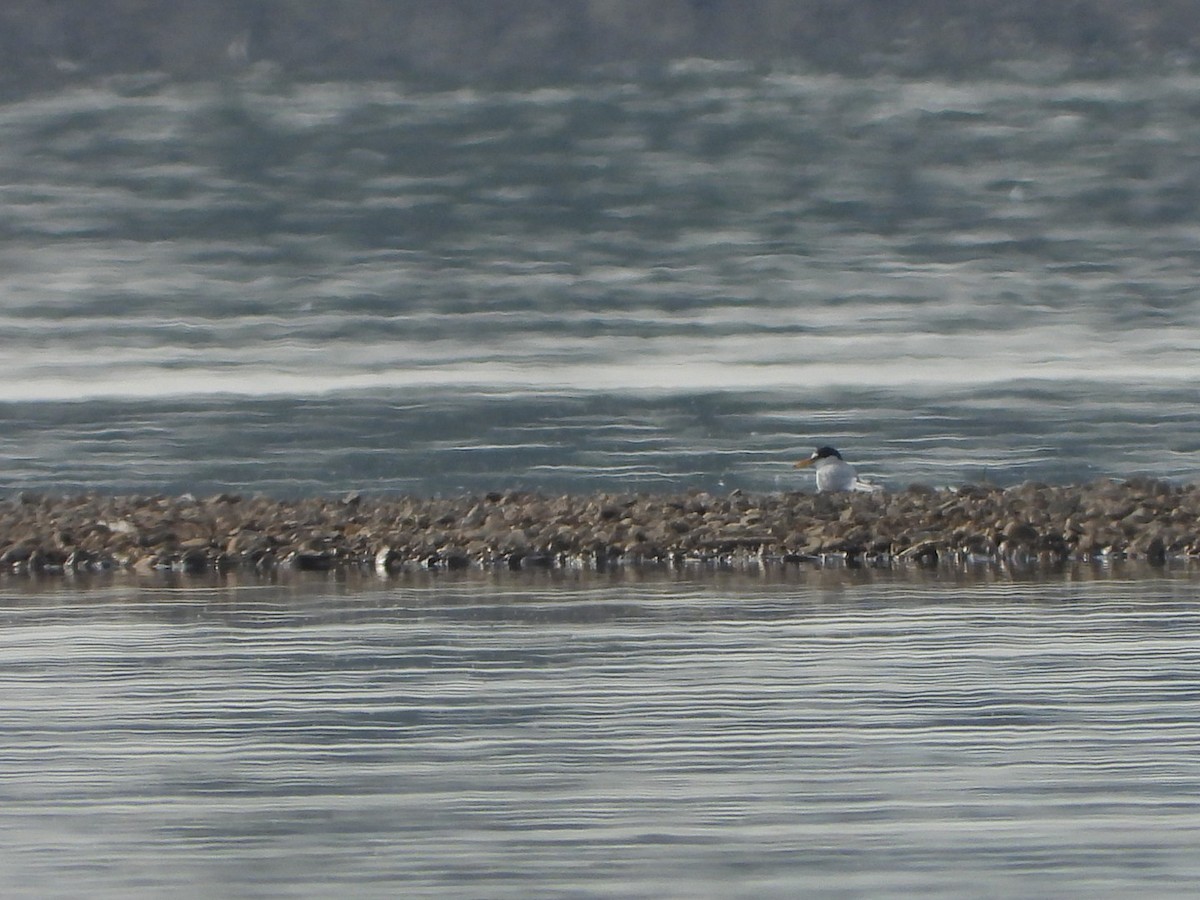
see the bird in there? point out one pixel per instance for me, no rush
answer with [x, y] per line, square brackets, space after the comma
[833, 472]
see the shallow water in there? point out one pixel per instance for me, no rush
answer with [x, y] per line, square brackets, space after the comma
[685, 279]
[688, 278]
[661, 737]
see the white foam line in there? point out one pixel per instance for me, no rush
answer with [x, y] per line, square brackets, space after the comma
[669, 376]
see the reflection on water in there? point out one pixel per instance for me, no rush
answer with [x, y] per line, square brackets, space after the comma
[502, 584]
[628, 738]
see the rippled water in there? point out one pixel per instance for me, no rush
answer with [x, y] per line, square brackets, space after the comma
[601, 738]
[685, 278]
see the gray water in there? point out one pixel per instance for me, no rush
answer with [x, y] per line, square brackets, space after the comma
[685, 278]
[583, 737]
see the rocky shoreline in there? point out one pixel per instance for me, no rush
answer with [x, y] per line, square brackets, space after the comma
[1141, 519]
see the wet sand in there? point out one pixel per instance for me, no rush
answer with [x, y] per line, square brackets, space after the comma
[1145, 520]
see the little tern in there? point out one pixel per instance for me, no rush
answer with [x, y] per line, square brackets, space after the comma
[833, 472]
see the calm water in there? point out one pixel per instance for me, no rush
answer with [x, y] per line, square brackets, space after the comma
[687, 278]
[657, 738]
[684, 279]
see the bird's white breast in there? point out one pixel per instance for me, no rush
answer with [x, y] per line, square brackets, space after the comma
[835, 475]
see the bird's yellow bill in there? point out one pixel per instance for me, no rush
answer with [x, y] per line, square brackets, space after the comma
[805, 463]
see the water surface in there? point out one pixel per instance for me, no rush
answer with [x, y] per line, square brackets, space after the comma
[682, 279]
[691, 277]
[656, 737]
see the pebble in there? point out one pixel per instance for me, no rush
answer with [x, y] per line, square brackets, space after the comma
[1140, 519]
